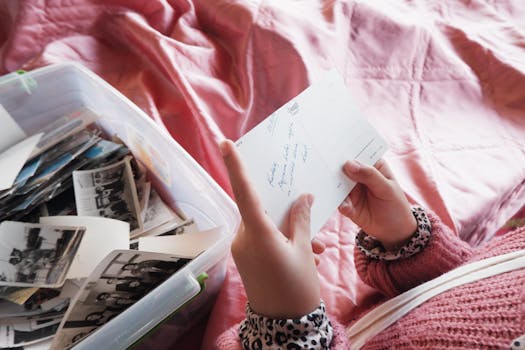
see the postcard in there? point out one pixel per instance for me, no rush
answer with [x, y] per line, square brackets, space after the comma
[301, 148]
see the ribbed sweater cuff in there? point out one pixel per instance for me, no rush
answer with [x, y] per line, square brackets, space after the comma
[443, 252]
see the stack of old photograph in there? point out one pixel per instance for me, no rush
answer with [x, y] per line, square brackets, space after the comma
[83, 234]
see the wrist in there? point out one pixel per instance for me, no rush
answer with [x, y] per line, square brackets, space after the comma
[285, 309]
[375, 249]
[395, 245]
[290, 296]
[403, 236]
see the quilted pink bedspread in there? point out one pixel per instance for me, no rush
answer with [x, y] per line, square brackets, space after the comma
[443, 81]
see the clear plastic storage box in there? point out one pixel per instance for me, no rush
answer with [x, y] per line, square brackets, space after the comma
[36, 98]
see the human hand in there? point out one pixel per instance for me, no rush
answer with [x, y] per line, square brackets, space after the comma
[378, 205]
[277, 268]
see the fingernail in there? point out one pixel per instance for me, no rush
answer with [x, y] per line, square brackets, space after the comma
[345, 208]
[309, 200]
[223, 147]
[352, 166]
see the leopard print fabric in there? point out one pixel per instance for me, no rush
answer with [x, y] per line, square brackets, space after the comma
[373, 249]
[312, 331]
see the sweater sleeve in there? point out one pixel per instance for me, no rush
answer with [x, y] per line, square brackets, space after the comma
[443, 252]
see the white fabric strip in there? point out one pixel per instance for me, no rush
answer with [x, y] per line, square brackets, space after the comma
[389, 312]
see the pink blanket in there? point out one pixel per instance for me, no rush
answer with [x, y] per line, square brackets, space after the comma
[444, 82]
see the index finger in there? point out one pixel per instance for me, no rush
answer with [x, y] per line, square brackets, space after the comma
[248, 202]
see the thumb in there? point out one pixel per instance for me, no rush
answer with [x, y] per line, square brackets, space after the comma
[369, 176]
[299, 219]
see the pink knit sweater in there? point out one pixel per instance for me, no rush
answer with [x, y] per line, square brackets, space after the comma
[489, 313]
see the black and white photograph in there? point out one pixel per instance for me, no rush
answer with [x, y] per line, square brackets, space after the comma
[157, 211]
[122, 279]
[55, 305]
[143, 194]
[24, 331]
[158, 217]
[108, 192]
[33, 255]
